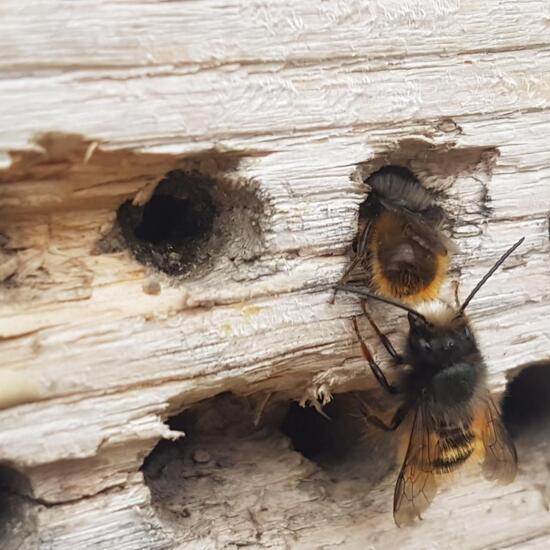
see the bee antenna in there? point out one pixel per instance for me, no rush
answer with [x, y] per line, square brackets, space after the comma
[488, 275]
[367, 294]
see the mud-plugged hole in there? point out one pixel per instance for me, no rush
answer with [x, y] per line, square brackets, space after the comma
[232, 476]
[17, 513]
[192, 222]
[526, 402]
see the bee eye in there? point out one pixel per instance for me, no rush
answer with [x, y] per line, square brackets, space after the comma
[424, 345]
[467, 334]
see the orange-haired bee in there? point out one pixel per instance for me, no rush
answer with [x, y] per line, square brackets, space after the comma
[445, 391]
[401, 246]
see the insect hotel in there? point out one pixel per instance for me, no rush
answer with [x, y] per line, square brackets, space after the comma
[182, 188]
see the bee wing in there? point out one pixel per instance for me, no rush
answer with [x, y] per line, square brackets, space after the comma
[501, 460]
[416, 485]
[427, 236]
[425, 233]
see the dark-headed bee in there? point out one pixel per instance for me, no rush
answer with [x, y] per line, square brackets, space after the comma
[444, 390]
[401, 246]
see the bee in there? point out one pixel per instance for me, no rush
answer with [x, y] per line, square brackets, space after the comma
[444, 391]
[401, 246]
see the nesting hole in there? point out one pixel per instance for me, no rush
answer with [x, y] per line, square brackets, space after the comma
[230, 469]
[448, 189]
[194, 222]
[526, 402]
[406, 267]
[168, 219]
[17, 513]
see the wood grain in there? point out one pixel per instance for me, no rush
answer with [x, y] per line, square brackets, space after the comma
[293, 103]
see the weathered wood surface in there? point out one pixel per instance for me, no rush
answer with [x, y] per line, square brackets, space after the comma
[285, 99]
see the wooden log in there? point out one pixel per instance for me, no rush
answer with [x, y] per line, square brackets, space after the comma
[266, 117]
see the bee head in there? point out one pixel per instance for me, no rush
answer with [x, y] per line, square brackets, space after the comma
[439, 336]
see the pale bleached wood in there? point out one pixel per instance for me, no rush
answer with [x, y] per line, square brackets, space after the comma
[290, 98]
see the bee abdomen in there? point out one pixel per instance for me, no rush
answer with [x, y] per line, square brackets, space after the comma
[403, 264]
[455, 446]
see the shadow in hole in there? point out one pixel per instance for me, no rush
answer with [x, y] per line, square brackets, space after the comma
[172, 230]
[226, 458]
[526, 401]
[344, 445]
[17, 515]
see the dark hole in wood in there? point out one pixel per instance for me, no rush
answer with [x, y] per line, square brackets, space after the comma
[526, 402]
[307, 429]
[191, 224]
[325, 440]
[234, 461]
[169, 219]
[340, 441]
[17, 515]
[172, 230]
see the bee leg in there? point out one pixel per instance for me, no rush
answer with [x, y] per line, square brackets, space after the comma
[397, 357]
[361, 251]
[456, 284]
[395, 422]
[376, 370]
